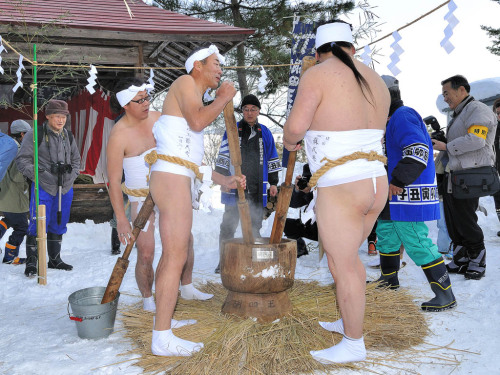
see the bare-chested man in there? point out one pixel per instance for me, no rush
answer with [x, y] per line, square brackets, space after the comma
[179, 133]
[130, 139]
[341, 107]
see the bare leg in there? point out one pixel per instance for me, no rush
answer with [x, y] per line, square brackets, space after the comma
[346, 213]
[172, 195]
[188, 291]
[144, 273]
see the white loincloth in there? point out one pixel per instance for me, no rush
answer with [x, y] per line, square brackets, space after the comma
[136, 173]
[336, 144]
[174, 137]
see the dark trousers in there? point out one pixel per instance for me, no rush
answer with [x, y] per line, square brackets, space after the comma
[18, 222]
[461, 221]
[496, 198]
[231, 218]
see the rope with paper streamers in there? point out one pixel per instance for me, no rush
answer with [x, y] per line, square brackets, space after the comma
[445, 43]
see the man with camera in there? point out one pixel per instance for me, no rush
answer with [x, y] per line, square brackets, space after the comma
[470, 135]
[295, 228]
[58, 167]
[260, 165]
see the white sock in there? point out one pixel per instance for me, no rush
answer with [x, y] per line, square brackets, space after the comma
[348, 350]
[190, 292]
[177, 323]
[148, 304]
[165, 343]
[336, 326]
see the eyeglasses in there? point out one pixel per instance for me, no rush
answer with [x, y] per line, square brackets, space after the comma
[250, 110]
[140, 101]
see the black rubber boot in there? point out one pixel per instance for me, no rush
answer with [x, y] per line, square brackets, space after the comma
[31, 256]
[440, 283]
[389, 268]
[460, 260]
[54, 251]
[477, 265]
[115, 242]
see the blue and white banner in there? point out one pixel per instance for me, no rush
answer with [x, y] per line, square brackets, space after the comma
[302, 45]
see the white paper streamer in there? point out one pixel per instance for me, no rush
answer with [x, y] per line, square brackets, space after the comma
[448, 30]
[19, 74]
[91, 80]
[2, 48]
[262, 80]
[207, 97]
[365, 56]
[150, 80]
[395, 55]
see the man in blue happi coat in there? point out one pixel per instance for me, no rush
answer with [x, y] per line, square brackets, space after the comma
[413, 199]
[260, 165]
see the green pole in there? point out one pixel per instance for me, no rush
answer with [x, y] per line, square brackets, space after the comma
[35, 128]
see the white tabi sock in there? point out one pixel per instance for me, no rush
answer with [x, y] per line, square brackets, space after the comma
[165, 343]
[336, 326]
[148, 304]
[348, 350]
[190, 292]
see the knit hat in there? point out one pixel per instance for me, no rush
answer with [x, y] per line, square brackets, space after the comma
[56, 106]
[250, 99]
[391, 82]
[19, 126]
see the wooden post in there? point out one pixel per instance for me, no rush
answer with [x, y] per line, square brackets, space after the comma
[42, 245]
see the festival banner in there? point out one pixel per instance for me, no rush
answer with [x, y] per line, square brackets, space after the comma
[302, 45]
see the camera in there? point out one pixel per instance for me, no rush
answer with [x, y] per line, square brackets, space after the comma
[60, 168]
[438, 133]
[302, 183]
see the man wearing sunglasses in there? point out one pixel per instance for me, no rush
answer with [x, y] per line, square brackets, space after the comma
[260, 165]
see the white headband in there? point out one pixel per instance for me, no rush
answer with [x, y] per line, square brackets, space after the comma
[202, 54]
[333, 32]
[125, 96]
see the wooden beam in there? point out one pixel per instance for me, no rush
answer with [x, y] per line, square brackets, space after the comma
[140, 61]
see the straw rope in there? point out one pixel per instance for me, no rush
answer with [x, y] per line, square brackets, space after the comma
[370, 156]
[135, 192]
[153, 156]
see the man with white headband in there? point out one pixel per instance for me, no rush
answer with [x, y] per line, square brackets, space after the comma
[179, 134]
[130, 139]
[341, 110]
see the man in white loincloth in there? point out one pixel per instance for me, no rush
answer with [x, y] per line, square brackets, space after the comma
[341, 108]
[131, 138]
[179, 133]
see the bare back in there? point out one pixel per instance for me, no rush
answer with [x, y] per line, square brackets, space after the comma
[343, 105]
[330, 99]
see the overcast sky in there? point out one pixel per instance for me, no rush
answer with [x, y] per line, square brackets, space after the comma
[424, 64]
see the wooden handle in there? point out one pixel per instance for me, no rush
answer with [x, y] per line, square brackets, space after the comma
[235, 153]
[42, 244]
[116, 278]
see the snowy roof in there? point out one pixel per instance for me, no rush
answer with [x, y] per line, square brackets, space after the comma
[485, 90]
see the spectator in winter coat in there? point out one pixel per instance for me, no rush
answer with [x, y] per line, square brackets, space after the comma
[8, 151]
[58, 163]
[14, 201]
[470, 135]
[496, 110]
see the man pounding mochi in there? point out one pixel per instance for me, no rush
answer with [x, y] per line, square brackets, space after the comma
[179, 133]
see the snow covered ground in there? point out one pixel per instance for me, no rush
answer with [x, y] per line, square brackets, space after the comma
[37, 337]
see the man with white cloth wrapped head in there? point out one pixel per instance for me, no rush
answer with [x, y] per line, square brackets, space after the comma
[179, 133]
[131, 138]
[341, 110]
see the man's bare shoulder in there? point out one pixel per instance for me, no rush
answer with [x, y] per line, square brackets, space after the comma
[183, 82]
